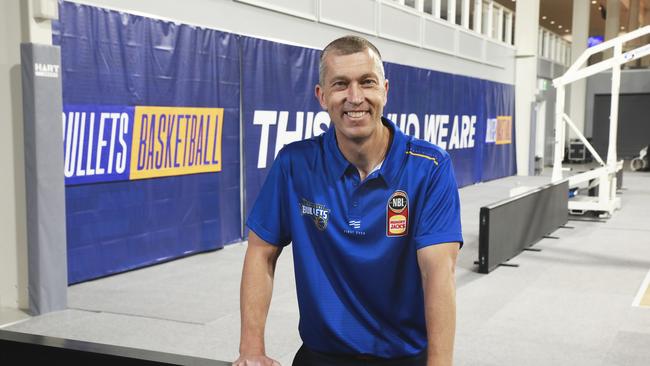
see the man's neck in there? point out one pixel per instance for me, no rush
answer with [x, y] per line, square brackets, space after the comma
[366, 154]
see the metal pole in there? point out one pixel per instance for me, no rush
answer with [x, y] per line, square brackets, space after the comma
[559, 135]
[582, 138]
[613, 116]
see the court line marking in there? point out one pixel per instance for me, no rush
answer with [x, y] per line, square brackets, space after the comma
[642, 291]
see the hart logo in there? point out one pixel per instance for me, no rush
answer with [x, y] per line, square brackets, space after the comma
[46, 70]
[397, 214]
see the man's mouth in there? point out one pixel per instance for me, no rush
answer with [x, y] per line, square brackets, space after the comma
[356, 114]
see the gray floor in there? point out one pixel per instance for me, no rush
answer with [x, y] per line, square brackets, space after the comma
[570, 304]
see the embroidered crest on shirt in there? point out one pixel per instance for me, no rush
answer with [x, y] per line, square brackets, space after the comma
[319, 213]
[397, 214]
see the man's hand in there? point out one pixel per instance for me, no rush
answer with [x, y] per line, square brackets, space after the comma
[259, 360]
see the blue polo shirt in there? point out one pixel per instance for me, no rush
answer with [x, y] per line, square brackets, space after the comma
[354, 242]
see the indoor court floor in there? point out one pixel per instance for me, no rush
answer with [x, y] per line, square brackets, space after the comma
[575, 302]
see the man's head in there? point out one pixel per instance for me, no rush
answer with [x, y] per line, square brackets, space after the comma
[352, 87]
[345, 46]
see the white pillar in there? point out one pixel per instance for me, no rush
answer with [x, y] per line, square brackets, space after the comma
[499, 30]
[633, 22]
[478, 16]
[508, 26]
[645, 20]
[552, 49]
[526, 32]
[465, 14]
[612, 23]
[488, 10]
[579, 35]
[419, 5]
[451, 11]
[18, 25]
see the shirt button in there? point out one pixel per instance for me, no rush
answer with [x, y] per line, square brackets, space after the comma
[355, 184]
[355, 204]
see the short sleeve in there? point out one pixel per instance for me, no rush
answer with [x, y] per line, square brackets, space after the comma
[439, 216]
[269, 218]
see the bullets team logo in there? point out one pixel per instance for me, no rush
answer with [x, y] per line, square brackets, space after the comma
[397, 214]
[319, 213]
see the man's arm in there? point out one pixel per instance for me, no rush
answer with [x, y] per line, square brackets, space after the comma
[255, 299]
[438, 266]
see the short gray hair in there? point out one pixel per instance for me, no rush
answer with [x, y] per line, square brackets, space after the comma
[348, 45]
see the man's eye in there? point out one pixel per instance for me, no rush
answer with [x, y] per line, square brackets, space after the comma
[338, 84]
[369, 82]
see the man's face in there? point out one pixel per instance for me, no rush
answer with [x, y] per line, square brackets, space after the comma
[354, 93]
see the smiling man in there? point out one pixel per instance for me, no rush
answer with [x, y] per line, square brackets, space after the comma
[374, 219]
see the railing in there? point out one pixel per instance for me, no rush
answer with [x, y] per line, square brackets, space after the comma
[553, 47]
[475, 30]
[493, 20]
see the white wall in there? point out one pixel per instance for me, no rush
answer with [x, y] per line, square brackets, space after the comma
[526, 40]
[242, 18]
[632, 82]
[13, 248]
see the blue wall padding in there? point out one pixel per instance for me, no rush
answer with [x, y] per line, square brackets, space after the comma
[112, 58]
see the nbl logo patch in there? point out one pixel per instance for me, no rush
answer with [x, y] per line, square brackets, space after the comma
[397, 214]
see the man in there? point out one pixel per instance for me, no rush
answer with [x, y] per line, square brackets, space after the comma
[374, 219]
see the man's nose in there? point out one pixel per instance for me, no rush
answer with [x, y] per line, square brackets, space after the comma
[355, 93]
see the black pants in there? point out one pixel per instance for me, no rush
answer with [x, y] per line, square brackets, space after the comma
[305, 357]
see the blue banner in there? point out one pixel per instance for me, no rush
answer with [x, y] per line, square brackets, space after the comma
[110, 143]
[145, 98]
[151, 130]
[454, 112]
[278, 106]
[470, 118]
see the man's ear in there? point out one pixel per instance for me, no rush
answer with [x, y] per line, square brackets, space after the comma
[386, 91]
[320, 96]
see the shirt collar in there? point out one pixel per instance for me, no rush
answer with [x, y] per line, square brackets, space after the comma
[337, 164]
